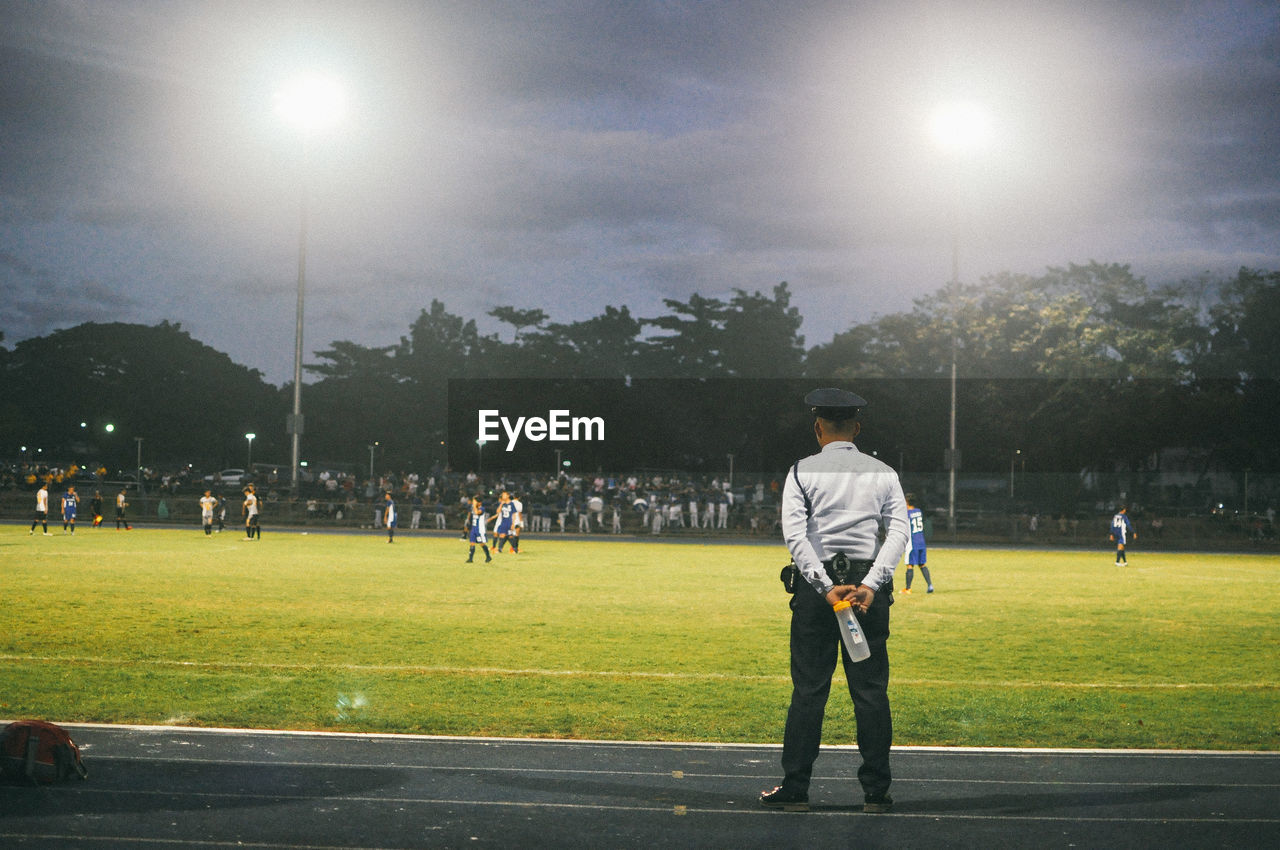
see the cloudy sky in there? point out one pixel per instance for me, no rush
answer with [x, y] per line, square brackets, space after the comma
[574, 155]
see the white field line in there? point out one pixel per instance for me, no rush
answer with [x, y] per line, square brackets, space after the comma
[600, 674]
[1123, 752]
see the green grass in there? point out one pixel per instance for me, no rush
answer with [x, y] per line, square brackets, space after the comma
[622, 640]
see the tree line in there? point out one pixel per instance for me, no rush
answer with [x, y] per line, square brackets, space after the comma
[1085, 367]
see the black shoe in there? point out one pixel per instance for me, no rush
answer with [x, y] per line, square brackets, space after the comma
[877, 804]
[785, 799]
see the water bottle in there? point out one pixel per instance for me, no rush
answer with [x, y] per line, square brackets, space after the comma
[851, 631]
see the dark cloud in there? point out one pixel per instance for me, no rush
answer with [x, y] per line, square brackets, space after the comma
[36, 299]
[574, 155]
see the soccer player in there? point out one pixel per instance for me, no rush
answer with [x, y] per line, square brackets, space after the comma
[70, 502]
[517, 522]
[251, 527]
[1121, 530]
[42, 511]
[504, 522]
[95, 508]
[916, 550]
[389, 516]
[207, 503]
[121, 504]
[476, 523]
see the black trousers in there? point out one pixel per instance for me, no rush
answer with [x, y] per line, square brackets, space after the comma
[815, 642]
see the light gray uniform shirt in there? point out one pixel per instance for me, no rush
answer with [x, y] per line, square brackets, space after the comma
[855, 506]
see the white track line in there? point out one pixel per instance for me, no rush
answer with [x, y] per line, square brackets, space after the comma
[593, 742]
[604, 674]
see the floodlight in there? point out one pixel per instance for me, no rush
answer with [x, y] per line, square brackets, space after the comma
[961, 127]
[311, 103]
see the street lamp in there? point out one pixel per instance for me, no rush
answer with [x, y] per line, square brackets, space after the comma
[310, 104]
[958, 129]
[372, 448]
[480, 455]
[248, 466]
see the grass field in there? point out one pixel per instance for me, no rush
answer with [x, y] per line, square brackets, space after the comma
[623, 640]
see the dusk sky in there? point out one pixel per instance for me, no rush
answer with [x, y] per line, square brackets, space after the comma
[577, 155]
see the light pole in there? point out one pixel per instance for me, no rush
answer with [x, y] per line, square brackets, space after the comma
[248, 466]
[959, 129]
[480, 456]
[372, 448]
[310, 104]
[1012, 461]
[731, 471]
[138, 440]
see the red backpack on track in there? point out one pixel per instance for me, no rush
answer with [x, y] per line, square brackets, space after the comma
[39, 752]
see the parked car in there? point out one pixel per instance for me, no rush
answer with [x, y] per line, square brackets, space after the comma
[227, 476]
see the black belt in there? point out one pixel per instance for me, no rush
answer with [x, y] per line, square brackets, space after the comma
[842, 569]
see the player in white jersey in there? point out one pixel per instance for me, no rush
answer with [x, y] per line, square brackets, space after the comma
[517, 522]
[389, 517]
[42, 511]
[207, 503]
[251, 527]
[121, 504]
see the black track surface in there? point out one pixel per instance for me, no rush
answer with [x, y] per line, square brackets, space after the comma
[183, 788]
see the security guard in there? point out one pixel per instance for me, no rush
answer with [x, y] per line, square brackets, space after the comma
[835, 506]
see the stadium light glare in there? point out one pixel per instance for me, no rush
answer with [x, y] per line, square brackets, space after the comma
[962, 127]
[311, 103]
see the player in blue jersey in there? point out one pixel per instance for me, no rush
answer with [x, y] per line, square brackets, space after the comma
[70, 503]
[1122, 531]
[916, 549]
[504, 521]
[476, 522]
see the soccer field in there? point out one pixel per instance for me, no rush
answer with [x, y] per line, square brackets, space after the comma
[608, 639]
